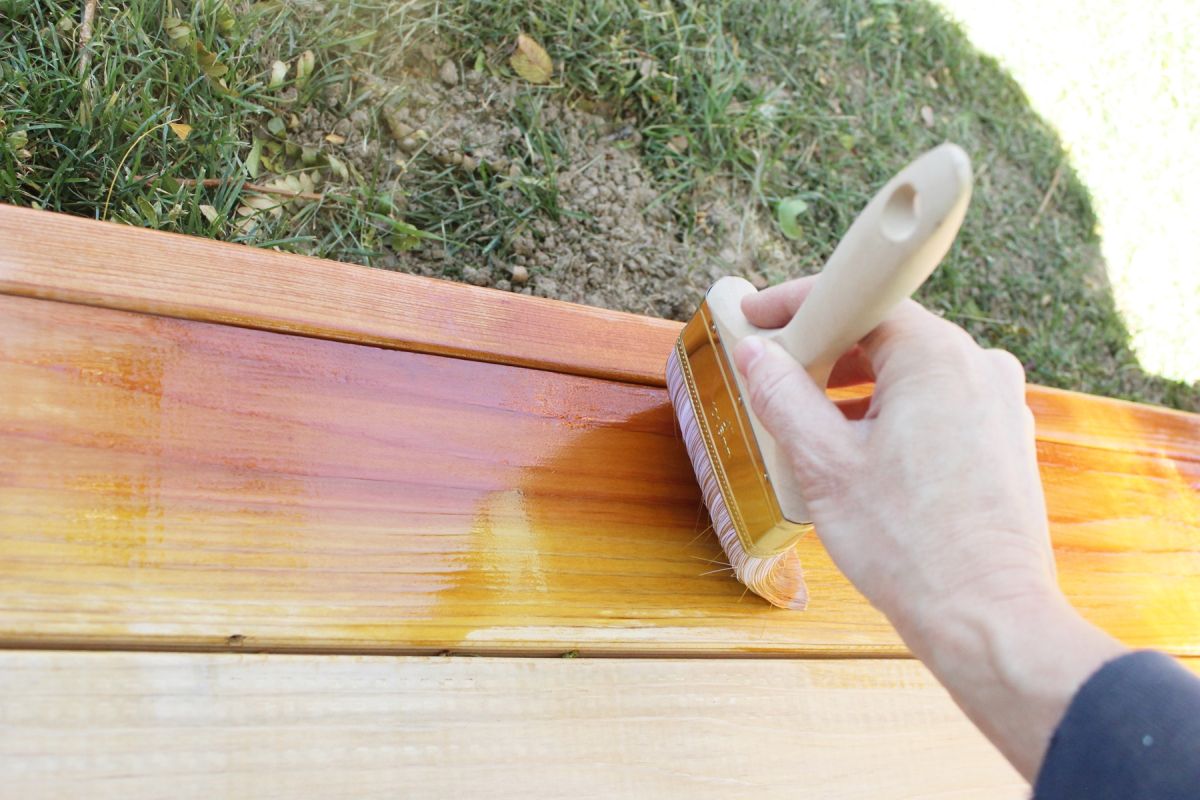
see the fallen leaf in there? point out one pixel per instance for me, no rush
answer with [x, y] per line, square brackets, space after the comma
[209, 64]
[177, 30]
[405, 236]
[927, 116]
[226, 22]
[252, 160]
[338, 167]
[279, 71]
[182, 130]
[209, 212]
[259, 202]
[148, 209]
[786, 213]
[334, 138]
[531, 61]
[304, 67]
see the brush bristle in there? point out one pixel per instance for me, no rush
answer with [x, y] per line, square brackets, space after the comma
[778, 579]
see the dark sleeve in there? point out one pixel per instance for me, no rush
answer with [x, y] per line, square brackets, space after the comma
[1131, 731]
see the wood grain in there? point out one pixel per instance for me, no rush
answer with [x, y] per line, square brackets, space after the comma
[164, 725]
[61, 257]
[169, 484]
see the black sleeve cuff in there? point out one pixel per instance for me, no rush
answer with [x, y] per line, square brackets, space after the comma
[1131, 731]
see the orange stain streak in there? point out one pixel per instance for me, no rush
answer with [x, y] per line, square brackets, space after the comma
[172, 483]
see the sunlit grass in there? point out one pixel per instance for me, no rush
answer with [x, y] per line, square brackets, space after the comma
[1118, 80]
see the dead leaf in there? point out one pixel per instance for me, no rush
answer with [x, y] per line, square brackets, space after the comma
[338, 167]
[209, 64]
[181, 130]
[209, 212]
[259, 202]
[531, 61]
[334, 138]
[279, 71]
[304, 67]
[927, 116]
[177, 30]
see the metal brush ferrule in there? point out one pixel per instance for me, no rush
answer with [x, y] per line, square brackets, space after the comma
[737, 460]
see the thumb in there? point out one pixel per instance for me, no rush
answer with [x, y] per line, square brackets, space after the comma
[808, 427]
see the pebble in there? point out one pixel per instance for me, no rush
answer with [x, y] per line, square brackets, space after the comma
[520, 275]
[478, 277]
[449, 73]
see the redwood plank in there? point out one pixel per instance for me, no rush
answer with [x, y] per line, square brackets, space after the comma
[167, 484]
[61, 257]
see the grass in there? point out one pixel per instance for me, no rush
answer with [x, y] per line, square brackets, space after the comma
[817, 100]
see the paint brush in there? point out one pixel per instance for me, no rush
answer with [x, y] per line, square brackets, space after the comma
[757, 508]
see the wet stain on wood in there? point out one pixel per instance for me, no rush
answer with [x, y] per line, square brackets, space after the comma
[174, 483]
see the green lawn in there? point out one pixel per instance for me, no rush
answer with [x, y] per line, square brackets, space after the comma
[719, 105]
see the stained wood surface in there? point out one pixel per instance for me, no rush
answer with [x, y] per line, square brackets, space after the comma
[60, 257]
[166, 484]
[219, 725]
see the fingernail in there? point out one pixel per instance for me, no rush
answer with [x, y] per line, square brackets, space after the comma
[747, 352]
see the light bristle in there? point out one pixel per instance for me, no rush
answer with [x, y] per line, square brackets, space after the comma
[778, 579]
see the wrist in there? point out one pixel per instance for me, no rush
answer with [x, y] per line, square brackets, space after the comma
[1014, 666]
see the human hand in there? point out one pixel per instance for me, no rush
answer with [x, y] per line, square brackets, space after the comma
[927, 496]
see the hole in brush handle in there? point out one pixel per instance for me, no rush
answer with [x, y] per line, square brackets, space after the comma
[900, 214]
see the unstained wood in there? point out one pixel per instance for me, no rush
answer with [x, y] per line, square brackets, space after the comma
[151, 725]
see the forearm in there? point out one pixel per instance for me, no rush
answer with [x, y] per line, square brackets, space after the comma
[1013, 669]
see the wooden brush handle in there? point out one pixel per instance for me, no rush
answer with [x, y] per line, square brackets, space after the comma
[888, 252]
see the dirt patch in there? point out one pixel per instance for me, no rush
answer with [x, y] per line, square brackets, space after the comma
[554, 200]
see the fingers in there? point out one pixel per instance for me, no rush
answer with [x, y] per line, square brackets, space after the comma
[1011, 371]
[774, 307]
[915, 341]
[794, 410]
[910, 340]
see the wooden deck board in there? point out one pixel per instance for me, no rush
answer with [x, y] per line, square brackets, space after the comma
[166, 483]
[60, 257]
[149, 725]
